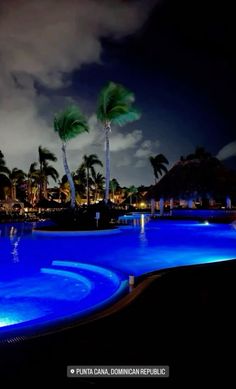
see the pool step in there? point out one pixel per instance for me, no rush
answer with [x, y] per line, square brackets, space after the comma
[69, 274]
[79, 266]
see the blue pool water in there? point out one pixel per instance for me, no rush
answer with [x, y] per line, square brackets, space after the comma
[46, 278]
[203, 213]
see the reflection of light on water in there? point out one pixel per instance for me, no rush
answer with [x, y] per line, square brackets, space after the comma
[15, 243]
[142, 235]
[6, 321]
[142, 223]
[13, 231]
[206, 223]
[233, 224]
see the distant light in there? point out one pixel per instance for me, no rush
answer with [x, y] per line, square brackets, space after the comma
[206, 223]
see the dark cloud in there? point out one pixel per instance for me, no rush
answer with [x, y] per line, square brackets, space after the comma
[181, 68]
[41, 44]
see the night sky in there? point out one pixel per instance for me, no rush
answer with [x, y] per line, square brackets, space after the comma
[178, 57]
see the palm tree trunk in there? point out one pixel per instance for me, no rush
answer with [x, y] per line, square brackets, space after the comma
[69, 176]
[13, 191]
[107, 159]
[29, 191]
[37, 193]
[45, 189]
[41, 182]
[161, 206]
[95, 194]
[87, 178]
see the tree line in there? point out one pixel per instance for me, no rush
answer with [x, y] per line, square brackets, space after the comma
[115, 106]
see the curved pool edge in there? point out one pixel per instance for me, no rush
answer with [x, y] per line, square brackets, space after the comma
[126, 293]
[124, 296]
[141, 283]
[36, 327]
[193, 264]
[114, 306]
[76, 233]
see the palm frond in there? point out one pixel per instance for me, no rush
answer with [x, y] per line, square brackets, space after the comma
[50, 171]
[46, 155]
[160, 158]
[33, 168]
[91, 160]
[126, 117]
[70, 123]
[158, 164]
[35, 175]
[115, 105]
[104, 100]
[4, 170]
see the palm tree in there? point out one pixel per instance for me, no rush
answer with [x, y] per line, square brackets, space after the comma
[68, 124]
[88, 163]
[48, 171]
[158, 163]
[4, 177]
[80, 181]
[3, 169]
[115, 106]
[98, 181]
[33, 178]
[64, 189]
[16, 176]
[114, 185]
[131, 191]
[45, 155]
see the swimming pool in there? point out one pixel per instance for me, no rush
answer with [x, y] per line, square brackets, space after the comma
[204, 213]
[45, 279]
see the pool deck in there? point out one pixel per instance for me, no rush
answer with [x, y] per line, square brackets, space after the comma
[179, 315]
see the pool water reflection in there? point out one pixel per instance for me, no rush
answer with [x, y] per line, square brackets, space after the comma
[30, 295]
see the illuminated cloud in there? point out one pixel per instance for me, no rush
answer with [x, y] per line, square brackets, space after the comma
[227, 151]
[48, 39]
[144, 150]
[121, 141]
[147, 148]
[41, 44]
[140, 163]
